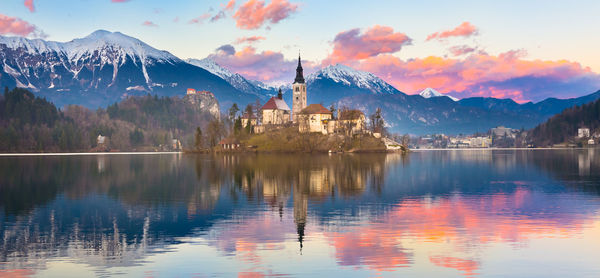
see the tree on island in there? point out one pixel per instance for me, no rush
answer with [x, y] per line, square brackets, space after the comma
[233, 111]
[215, 131]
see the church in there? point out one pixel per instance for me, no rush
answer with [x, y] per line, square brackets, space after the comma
[309, 118]
[276, 112]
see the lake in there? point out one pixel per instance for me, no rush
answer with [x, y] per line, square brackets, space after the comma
[461, 213]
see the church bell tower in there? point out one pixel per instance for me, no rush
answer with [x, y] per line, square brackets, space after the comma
[299, 92]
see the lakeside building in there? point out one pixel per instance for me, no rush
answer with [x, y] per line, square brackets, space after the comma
[502, 131]
[583, 133]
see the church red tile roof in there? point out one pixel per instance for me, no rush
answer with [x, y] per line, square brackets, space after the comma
[315, 109]
[276, 103]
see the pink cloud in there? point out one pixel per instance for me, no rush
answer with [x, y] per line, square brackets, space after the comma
[506, 75]
[253, 14]
[249, 39]
[29, 5]
[466, 29]
[354, 45]
[266, 66]
[16, 26]
[200, 19]
[460, 50]
[148, 23]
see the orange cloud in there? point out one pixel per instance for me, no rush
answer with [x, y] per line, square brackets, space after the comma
[465, 29]
[254, 14]
[467, 267]
[17, 26]
[29, 5]
[354, 45]
[149, 24]
[230, 5]
[249, 39]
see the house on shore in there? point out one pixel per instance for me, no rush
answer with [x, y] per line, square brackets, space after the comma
[229, 144]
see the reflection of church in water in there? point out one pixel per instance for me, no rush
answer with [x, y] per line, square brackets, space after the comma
[320, 182]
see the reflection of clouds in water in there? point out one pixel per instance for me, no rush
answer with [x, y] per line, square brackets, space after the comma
[464, 224]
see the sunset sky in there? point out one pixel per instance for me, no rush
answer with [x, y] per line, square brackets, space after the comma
[524, 50]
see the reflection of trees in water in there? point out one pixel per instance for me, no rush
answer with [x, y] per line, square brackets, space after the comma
[108, 210]
[578, 168]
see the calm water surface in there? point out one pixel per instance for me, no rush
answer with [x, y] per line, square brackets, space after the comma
[425, 214]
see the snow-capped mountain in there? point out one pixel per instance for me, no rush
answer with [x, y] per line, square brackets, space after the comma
[350, 77]
[334, 82]
[429, 92]
[236, 80]
[102, 68]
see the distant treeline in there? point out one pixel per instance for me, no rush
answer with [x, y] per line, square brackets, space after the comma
[563, 127]
[32, 124]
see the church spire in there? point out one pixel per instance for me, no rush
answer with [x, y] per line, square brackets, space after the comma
[299, 72]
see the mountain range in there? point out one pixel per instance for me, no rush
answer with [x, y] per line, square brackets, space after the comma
[106, 67]
[101, 69]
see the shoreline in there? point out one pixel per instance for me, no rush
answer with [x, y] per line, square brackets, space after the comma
[359, 152]
[83, 153]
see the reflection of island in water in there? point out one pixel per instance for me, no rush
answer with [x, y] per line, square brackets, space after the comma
[114, 210]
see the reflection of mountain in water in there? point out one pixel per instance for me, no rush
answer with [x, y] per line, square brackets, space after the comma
[113, 210]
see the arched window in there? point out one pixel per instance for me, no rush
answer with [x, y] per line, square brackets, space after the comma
[297, 89]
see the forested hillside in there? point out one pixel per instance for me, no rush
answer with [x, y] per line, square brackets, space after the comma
[32, 124]
[563, 127]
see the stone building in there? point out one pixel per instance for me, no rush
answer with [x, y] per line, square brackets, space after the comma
[298, 92]
[275, 111]
[314, 118]
[351, 121]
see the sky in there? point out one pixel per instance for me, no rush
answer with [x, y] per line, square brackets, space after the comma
[524, 50]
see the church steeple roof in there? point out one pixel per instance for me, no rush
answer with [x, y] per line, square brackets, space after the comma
[299, 72]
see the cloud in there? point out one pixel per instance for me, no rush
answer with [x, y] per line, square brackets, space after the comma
[250, 40]
[230, 5]
[266, 66]
[200, 19]
[253, 14]
[227, 49]
[148, 23]
[465, 29]
[506, 75]
[218, 16]
[29, 5]
[460, 50]
[354, 45]
[16, 26]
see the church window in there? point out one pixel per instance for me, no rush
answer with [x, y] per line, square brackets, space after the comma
[297, 89]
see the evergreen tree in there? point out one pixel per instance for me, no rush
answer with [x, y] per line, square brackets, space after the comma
[198, 139]
[233, 111]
